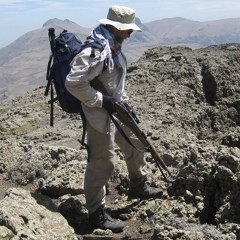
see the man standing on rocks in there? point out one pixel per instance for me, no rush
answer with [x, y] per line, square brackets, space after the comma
[109, 67]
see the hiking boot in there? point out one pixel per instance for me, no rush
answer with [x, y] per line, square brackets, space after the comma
[144, 191]
[101, 219]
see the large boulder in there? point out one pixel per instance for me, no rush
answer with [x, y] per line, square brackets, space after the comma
[28, 216]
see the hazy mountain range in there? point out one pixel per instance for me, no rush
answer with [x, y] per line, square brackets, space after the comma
[23, 63]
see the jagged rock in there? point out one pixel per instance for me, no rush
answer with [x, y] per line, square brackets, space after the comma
[188, 105]
[73, 209]
[27, 218]
[37, 162]
[5, 233]
[189, 232]
[66, 179]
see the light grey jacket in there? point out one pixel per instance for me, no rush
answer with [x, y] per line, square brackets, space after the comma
[113, 79]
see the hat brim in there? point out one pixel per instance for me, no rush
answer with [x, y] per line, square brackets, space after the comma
[120, 26]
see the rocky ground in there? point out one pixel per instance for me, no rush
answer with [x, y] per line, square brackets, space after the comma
[188, 103]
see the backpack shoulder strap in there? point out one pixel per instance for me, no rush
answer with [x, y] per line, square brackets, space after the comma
[95, 45]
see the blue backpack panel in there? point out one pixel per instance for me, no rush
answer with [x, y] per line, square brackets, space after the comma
[63, 49]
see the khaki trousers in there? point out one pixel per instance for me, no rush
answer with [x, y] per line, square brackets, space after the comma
[102, 161]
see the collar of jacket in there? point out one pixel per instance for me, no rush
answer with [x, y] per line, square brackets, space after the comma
[111, 48]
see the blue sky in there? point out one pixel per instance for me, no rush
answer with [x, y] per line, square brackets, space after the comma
[18, 16]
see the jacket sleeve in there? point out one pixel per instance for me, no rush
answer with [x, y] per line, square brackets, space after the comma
[85, 68]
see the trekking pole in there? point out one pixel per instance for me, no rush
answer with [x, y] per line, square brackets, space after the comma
[51, 35]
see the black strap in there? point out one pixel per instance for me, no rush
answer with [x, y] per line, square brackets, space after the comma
[52, 105]
[119, 128]
[48, 74]
[83, 117]
[84, 127]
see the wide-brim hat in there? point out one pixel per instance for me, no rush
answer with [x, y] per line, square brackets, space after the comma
[122, 18]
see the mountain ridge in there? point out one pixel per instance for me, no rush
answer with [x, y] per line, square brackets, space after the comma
[23, 63]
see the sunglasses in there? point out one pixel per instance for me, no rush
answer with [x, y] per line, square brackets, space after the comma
[130, 31]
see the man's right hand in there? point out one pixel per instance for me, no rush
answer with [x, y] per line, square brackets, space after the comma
[109, 104]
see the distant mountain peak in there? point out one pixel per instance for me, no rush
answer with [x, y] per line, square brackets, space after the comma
[139, 24]
[176, 19]
[57, 21]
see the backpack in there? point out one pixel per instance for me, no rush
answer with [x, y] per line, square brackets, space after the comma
[63, 49]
